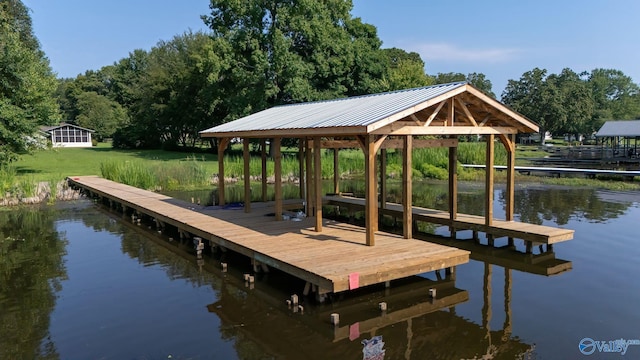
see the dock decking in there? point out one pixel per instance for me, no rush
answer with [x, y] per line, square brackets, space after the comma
[334, 260]
[499, 228]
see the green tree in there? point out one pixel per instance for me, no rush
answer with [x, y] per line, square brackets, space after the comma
[536, 99]
[177, 94]
[560, 103]
[291, 51]
[99, 113]
[69, 90]
[478, 80]
[575, 112]
[615, 94]
[27, 83]
[404, 70]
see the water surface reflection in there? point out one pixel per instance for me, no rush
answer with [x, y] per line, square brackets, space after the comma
[79, 281]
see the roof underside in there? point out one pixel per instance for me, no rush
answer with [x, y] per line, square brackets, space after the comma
[625, 128]
[420, 111]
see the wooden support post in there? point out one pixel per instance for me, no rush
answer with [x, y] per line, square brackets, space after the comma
[263, 158]
[451, 112]
[511, 175]
[278, 177]
[317, 178]
[375, 181]
[488, 208]
[450, 273]
[407, 188]
[336, 171]
[222, 144]
[383, 178]
[247, 175]
[453, 184]
[371, 194]
[301, 150]
[309, 168]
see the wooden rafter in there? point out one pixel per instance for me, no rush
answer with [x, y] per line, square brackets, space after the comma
[467, 112]
[434, 114]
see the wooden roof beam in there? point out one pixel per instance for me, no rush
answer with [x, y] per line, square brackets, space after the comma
[434, 114]
[467, 112]
[446, 130]
[502, 108]
[390, 143]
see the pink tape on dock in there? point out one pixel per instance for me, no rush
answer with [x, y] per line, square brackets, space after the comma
[354, 331]
[354, 281]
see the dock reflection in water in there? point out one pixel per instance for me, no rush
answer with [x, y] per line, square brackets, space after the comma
[413, 326]
[86, 283]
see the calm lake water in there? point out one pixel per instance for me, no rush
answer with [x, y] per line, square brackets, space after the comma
[78, 281]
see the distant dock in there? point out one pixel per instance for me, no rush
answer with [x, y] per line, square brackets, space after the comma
[557, 171]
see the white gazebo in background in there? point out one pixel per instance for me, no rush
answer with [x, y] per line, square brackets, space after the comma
[68, 135]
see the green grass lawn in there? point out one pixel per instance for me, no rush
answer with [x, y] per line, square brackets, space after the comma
[180, 170]
[58, 163]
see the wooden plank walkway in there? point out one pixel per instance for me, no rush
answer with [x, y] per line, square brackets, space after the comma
[499, 228]
[327, 260]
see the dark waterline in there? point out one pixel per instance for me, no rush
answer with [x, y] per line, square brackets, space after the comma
[78, 282]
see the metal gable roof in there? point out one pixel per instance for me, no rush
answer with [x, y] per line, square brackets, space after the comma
[360, 111]
[620, 128]
[51, 128]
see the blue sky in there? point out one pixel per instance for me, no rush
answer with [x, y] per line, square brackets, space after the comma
[502, 39]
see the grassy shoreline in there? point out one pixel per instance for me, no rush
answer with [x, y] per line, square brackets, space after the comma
[167, 170]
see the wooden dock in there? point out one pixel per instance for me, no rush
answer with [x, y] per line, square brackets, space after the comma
[499, 228]
[334, 260]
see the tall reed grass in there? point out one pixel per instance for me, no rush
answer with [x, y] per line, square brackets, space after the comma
[156, 175]
[7, 179]
[191, 173]
[432, 163]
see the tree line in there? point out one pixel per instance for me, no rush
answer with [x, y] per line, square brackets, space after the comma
[258, 54]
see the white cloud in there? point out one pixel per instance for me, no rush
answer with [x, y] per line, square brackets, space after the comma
[450, 52]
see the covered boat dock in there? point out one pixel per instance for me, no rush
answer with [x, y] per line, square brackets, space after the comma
[433, 116]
